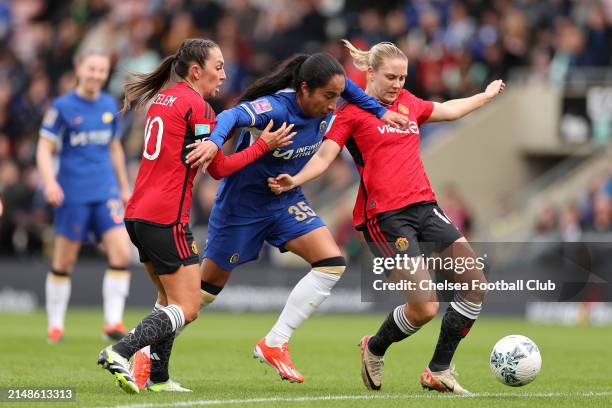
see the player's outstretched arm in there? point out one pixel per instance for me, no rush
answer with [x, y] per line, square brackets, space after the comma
[326, 154]
[45, 152]
[203, 153]
[223, 166]
[458, 108]
[236, 117]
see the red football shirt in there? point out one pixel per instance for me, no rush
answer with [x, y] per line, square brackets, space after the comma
[176, 118]
[388, 159]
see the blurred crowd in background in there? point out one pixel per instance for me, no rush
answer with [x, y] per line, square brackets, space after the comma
[592, 213]
[454, 49]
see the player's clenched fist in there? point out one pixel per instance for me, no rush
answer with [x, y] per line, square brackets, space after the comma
[495, 88]
[54, 194]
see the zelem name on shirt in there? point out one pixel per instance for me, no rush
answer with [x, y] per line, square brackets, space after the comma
[164, 100]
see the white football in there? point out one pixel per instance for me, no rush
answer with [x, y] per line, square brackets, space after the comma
[515, 360]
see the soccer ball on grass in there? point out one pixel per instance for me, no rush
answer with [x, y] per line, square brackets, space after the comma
[515, 360]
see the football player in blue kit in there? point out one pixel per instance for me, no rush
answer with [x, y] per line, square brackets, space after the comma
[302, 91]
[88, 192]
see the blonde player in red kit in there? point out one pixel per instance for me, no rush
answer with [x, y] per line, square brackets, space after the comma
[157, 214]
[396, 207]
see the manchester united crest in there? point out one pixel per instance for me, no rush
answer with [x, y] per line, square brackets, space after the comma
[402, 244]
[194, 247]
[403, 109]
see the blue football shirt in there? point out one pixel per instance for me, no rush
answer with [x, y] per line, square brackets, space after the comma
[246, 192]
[83, 130]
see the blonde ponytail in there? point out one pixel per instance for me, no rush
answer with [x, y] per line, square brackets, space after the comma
[374, 56]
[361, 59]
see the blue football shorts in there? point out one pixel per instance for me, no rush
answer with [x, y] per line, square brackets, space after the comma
[76, 220]
[234, 240]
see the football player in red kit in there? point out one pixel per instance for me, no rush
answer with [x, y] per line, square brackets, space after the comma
[157, 214]
[396, 207]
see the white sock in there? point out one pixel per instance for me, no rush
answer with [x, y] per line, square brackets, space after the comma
[304, 299]
[57, 293]
[402, 321]
[176, 315]
[115, 288]
[465, 307]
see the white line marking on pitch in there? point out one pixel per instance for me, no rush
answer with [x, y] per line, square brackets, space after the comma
[367, 397]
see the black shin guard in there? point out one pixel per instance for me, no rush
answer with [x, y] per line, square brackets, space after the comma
[160, 358]
[151, 330]
[454, 328]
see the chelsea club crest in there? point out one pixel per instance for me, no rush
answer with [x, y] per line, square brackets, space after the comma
[322, 127]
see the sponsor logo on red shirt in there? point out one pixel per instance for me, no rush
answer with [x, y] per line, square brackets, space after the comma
[413, 127]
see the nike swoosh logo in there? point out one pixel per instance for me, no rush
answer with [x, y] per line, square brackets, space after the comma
[374, 386]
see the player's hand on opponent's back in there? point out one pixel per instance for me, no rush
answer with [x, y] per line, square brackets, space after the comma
[395, 119]
[279, 138]
[281, 183]
[54, 194]
[495, 88]
[202, 154]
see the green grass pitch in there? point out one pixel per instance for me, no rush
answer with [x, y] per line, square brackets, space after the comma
[213, 357]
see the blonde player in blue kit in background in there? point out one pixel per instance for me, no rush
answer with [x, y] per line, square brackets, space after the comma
[88, 192]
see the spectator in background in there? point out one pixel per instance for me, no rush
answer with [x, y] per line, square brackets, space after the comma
[9, 178]
[569, 224]
[515, 39]
[591, 214]
[546, 221]
[26, 110]
[598, 39]
[344, 233]
[598, 186]
[569, 46]
[602, 213]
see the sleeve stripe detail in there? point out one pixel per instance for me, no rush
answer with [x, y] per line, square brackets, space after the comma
[331, 122]
[48, 135]
[246, 108]
[210, 113]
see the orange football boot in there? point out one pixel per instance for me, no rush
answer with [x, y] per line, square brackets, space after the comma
[279, 359]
